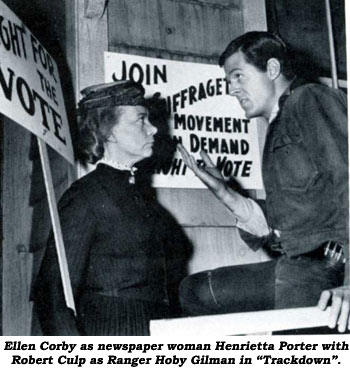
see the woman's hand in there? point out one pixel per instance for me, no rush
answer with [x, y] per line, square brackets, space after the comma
[340, 307]
[208, 173]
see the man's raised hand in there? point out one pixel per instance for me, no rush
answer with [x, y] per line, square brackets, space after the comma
[208, 173]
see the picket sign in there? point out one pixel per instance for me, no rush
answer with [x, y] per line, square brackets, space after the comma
[56, 225]
[31, 95]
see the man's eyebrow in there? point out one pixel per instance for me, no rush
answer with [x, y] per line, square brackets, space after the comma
[234, 69]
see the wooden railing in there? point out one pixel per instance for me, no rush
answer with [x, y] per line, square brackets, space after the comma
[242, 323]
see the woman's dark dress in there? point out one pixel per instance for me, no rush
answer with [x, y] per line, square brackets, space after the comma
[121, 245]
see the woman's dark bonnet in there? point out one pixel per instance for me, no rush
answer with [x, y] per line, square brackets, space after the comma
[99, 111]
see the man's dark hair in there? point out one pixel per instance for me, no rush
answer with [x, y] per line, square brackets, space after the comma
[257, 48]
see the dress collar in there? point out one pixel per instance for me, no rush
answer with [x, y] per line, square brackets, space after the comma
[121, 167]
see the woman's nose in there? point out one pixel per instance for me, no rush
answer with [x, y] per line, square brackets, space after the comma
[152, 130]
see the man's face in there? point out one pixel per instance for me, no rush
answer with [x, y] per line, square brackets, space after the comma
[252, 87]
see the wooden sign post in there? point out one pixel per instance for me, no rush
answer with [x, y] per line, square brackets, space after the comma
[56, 226]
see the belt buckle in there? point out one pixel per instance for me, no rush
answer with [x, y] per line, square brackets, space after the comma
[334, 251]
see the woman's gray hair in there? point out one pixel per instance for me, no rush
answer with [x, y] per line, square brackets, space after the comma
[94, 129]
[99, 111]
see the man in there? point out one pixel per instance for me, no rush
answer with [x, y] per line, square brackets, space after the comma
[305, 172]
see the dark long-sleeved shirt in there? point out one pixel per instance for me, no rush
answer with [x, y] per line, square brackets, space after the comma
[305, 169]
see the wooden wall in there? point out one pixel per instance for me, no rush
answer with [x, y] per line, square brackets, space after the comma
[17, 215]
[293, 19]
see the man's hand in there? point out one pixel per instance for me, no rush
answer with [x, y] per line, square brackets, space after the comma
[240, 206]
[208, 173]
[340, 307]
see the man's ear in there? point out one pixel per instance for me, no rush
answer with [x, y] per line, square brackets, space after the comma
[273, 68]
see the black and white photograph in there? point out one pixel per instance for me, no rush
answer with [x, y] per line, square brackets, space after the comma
[174, 169]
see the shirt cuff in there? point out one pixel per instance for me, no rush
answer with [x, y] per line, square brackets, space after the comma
[255, 223]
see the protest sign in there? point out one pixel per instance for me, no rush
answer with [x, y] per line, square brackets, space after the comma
[30, 88]
[202, 117]
[31, 95]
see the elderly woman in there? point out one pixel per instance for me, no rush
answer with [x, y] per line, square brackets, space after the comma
[118, 239]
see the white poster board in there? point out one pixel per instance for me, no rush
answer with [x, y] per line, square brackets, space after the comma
[202, 116]
[31, 95]
[30, 87]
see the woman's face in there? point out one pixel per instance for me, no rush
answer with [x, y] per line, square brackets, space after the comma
[132, 137]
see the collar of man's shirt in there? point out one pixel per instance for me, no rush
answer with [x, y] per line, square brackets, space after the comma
[279, 104]
[274, 112]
